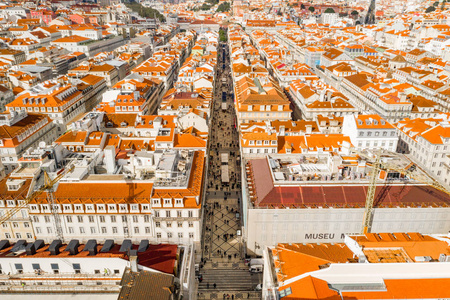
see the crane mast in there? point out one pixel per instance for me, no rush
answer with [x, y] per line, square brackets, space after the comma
[377, 166]
[46, 187]
[54, 209]
[370, 196]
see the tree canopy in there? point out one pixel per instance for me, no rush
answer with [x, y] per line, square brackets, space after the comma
[430, 9]
[222, 35]
[354, 13]
[145, 12]
[311, 9]
[329, 10]
[223, 7]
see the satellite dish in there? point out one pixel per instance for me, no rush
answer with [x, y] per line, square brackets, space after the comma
[42, 144]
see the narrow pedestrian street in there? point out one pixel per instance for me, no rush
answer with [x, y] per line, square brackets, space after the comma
[224, 275]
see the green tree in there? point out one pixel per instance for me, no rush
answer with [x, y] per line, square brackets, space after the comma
[354, 13]
[430, 9]
[145, 12]
[205, 6]
[329, 10]
[223, 7]
[222, 35]
[435, 4]
[311, 9]
[302, 6]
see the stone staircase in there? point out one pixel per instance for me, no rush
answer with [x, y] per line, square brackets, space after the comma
[227, 280]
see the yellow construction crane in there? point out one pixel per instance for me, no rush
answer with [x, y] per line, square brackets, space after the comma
[47, 187]
[378, 166]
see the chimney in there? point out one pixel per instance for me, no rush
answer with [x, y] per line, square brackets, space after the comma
[308, 128]
[133, 260]
[110, 159]
[402, 97]
[282, 130]
[329, 93]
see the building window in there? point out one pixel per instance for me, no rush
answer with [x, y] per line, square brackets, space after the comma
[191, 224]
[167, 213]
[29, 236]
[92, 229]
[113, 219]
[47, 219]
[146, 218]
[180, 224]
[36, 266]
[35, 219]
[18, 236]
[91, 219]
[135, 219]
[147, 230]
[70, 229]
[49, 230]
[157, 224]
[76, 268]
[15, 225]
[168, 224]
[136, 230]
[26, 225]
[102, 219]
[179, 213]
[191, 235]
[55, 268]
[69, 219]
[7, 235]
[80, 219]
[156, 214]
[169, 235]
[104, 230]
[114, 229]
[81, 229]
[38, 230]
[158, 235]
[180, 235]
[190, 214]
[19, 268]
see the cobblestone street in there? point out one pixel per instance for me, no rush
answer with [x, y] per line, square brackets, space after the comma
[224, 273]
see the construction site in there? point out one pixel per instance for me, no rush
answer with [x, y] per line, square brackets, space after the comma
[298, 200]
